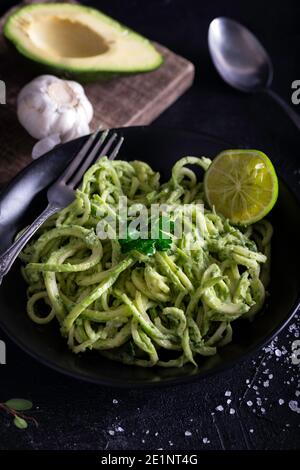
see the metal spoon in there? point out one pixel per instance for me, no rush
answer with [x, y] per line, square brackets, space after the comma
[242, 61]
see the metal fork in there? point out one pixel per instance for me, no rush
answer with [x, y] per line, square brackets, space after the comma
[62, 192]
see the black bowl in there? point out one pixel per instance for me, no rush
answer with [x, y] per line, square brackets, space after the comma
[25, 197]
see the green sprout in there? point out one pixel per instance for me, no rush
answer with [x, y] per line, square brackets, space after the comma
[15, 407]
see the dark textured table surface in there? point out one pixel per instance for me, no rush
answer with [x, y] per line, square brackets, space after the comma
[255, 405]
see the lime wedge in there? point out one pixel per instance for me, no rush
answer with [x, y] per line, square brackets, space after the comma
[241, 185]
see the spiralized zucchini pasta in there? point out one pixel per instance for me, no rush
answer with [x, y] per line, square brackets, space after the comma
[165, 307]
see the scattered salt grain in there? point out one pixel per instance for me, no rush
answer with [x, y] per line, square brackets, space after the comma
[228, 393]
[187, 433]
[277, 352]
[281, 401]
[232, 411]
[220, 408]
[228, 401]
[115, 402]
[293, 405]
[251, 430]
[266, 383]
[111, 432]
[293, 329]
[205, 440]
[119, 429]
[249, 403]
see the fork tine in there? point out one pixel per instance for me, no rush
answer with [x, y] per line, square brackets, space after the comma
[89, 160]
[71, 168]
[94, 157]
[109, 144]
[115, 152]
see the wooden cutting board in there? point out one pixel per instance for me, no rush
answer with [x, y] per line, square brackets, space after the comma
[126, 101]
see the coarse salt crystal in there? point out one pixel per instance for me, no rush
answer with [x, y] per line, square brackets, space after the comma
[220, 408]
[187, 433]
[249, 403]
[232, 411]
[227, 393]
[293, 405]
[115, 402]
[281, 401]
[205, 440]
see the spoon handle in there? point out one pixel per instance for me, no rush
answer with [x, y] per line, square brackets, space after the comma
[285, 106]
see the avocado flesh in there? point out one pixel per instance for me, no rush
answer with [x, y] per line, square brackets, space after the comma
[77, 40]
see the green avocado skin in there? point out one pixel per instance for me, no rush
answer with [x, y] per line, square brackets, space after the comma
[83, 76]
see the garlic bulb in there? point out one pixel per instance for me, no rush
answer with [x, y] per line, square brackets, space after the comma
[45, 145]
[49, 106]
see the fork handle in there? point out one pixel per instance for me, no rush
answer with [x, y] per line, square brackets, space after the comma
[9, 256]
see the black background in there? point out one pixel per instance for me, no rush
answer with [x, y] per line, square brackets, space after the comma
[75, 415]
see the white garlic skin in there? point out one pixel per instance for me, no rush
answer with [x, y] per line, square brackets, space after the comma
[45, 145]
[50, 106]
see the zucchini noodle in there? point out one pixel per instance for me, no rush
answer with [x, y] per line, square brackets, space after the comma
[165, 309]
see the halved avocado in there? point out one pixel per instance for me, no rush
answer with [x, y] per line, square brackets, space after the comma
[80, 41]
